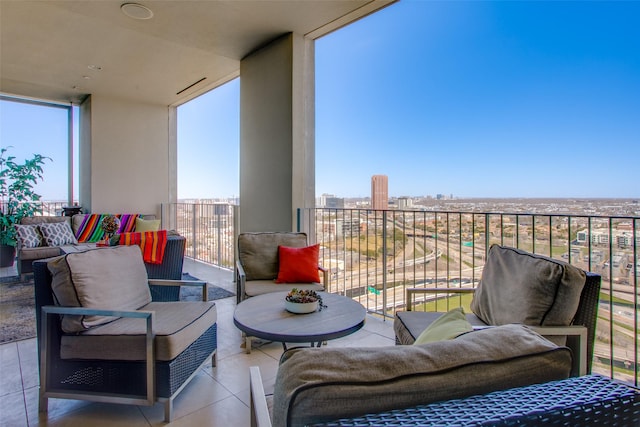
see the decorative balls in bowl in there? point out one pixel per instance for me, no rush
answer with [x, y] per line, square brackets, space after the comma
[302, 301]
[110, 224]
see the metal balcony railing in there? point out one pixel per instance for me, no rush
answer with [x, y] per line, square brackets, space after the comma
[374, 255]
[208, 228]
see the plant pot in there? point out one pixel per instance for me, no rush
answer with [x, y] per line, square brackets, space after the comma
[7, 255]
[301, 308]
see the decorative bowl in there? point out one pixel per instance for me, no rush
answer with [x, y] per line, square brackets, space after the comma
[301, 307]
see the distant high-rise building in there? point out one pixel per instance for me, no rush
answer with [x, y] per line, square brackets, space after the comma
[331, 201]
[379, 192]
[404, 203]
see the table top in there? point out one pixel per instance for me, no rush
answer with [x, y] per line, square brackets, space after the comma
[264, 316]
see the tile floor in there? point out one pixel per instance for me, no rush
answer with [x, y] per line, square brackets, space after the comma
[215, 397]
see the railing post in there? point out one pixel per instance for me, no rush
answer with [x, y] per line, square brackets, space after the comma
[194, 227]
[384, 261]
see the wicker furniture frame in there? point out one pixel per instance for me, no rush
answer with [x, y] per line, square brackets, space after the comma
[115, 381]
[577, 401]
[580, 401]
[580, 335]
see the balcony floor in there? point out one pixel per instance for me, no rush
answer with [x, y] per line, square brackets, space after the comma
[215, 397]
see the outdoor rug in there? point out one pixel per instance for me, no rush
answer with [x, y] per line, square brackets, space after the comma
[18, 311]
[192, 293]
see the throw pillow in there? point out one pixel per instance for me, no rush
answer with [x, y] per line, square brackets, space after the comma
[108, 278]
[28, 236]
[147, 225]
[520, 287]
[298, 265]
[448, 326]
[57, 234]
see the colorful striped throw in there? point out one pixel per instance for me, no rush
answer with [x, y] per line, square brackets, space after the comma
[152, 244]
[90, 230]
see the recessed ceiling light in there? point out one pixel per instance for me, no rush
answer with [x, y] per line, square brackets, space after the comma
[136, 11]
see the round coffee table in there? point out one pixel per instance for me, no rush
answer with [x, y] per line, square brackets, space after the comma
[264, 316]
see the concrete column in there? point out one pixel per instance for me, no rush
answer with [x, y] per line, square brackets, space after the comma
[277, 134]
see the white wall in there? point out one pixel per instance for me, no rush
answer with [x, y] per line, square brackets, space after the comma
[129, 148]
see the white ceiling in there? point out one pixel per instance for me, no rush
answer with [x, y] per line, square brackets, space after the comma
[48, 46]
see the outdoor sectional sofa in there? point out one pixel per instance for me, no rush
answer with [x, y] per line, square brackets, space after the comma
[499, 376]
[170, 268]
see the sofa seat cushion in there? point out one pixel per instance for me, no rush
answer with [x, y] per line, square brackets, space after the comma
[259, 287]
[408, 325]
[520, 287]
[258, 252]
[176, 326]
[322, 384]
[39, 253]
[113, 278]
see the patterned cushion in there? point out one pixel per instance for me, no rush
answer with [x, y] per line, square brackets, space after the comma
[28, 236]
[90, 230]
[57, 234]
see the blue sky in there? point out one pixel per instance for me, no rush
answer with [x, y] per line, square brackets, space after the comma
[474, 99]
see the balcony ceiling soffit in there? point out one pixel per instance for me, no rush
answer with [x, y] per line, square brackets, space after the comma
[47, 46]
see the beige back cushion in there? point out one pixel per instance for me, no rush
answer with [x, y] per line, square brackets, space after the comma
[520, 287]
[258, 252]
[44, 219]
[113, 278]
[321, 384]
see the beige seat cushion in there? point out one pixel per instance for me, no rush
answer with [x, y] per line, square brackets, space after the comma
[177, 325]
[258, 252]
[321, 384]
[259, 287]
[112, 278]
[39, 252]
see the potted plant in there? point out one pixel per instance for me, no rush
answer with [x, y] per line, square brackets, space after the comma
[303, 301]
[17, 198]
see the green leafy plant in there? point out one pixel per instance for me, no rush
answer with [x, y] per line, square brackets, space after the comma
[17, 195]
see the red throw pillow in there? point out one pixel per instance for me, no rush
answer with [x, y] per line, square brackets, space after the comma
[298, 265]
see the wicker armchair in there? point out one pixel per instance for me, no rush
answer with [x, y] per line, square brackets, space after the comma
[141, 371]
[580, 332]
[257, 264]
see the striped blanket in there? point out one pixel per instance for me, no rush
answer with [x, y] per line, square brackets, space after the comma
[152, 244]
[90, 230]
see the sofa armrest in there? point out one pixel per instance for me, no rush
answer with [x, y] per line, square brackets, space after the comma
[579, 364]
[257, 401]
[241, 278]
[167, 282]
[411, 291]
[150, 359]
